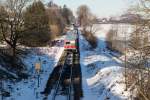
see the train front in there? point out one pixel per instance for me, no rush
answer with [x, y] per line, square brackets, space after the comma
[70, 42]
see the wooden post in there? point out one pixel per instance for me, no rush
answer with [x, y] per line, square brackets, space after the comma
[37, 68]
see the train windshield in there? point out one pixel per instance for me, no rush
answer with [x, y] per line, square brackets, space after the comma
[71, 35]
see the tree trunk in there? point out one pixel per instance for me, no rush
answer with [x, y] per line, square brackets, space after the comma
[14, 51]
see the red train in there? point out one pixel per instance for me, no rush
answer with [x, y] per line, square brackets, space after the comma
[70, 42]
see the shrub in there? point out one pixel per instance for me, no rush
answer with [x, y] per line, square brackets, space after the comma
[90, 38]
[113, 42]
[55, 31]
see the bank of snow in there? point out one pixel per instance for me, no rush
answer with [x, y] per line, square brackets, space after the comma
[29, 89]
[102, 74]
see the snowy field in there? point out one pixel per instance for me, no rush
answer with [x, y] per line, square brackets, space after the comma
[30, 88]
[102, 76]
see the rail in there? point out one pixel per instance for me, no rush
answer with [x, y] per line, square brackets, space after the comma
[71, 85]
[69, 61]
[59, 79]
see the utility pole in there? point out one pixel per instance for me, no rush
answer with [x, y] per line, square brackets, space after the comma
[125, 37]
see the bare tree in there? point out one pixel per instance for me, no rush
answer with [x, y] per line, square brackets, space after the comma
[87, 21]
[93, 28]
[12, 22]
[139, 61]
[83, 13]
[136, 38]
[110, 39]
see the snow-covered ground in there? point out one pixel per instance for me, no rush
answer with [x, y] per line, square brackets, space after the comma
[29, 89]
[102, 74]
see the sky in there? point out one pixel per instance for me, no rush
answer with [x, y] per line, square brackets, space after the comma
[101, 8]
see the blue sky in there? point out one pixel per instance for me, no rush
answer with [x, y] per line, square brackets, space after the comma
[100, 8]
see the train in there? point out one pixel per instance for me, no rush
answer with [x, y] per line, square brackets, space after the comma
[71, 41]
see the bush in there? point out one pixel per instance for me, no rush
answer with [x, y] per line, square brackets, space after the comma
[90, 38]
[33, 39]
[55, 31]
[13, 65]
[113, 42]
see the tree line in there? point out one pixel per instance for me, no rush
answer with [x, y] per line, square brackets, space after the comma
[31, 23]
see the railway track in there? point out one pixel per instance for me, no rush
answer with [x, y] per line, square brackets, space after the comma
[62, 78]
[65, 77]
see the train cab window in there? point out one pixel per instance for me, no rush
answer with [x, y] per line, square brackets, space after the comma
[67, 42]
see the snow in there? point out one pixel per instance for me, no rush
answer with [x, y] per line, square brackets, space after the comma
[8, 72]
[102, 73]
[29, 89]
